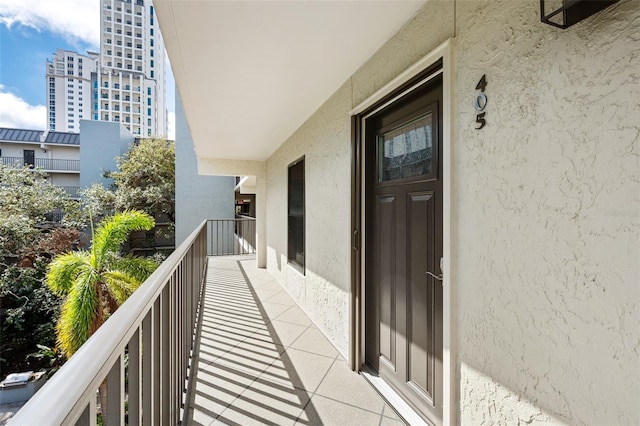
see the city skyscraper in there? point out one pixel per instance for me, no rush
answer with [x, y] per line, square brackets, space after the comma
[127, 83]
[69, 89]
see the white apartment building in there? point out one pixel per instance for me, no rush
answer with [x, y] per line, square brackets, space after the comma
[131, 86]
[56, 153]
[69, 89]
[125, 83]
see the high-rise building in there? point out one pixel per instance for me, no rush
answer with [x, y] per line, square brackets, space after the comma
[69, 89]
[131, 87]
[128, 84]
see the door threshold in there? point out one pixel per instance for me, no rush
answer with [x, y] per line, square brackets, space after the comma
[399, 405]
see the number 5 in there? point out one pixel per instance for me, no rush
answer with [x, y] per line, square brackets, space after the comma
[480, 119]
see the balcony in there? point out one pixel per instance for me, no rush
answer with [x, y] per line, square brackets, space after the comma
[47, 164]
[222, 340]
[71, 191]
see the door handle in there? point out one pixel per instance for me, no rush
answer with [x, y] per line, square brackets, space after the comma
[437, 277]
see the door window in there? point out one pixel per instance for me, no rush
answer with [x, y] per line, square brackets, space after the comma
[406, 151]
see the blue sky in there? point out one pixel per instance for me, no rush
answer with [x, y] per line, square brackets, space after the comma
[30, 32]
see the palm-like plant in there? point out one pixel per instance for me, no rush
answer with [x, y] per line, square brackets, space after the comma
[97, 281]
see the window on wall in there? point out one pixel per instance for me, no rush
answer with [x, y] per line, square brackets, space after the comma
[295, 215]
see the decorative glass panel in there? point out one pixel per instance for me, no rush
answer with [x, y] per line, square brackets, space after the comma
[406, 151]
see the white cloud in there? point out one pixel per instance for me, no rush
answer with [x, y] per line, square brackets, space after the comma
[78, 21]
[171, 126]
[16, 112]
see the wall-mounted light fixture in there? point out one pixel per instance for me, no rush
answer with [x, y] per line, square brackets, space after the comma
[565, 13]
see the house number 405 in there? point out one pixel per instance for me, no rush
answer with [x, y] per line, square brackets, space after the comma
[481, 102]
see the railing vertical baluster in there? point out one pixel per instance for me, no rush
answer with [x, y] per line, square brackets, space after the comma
[157, 368]
[178, 349]
[134, 378]
[165, 327]
[115, 393]
[244, 236]
[173, 331]
[155, 329]
[89, 416]
[186, 343]
[215, 244]
[148, 346]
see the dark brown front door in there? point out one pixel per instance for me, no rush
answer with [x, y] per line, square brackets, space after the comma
[404, 235]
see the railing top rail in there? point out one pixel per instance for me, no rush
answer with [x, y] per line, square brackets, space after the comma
[63, 398]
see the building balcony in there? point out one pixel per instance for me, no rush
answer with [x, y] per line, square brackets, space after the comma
[209, 338]
[72, 191]
[46, 164]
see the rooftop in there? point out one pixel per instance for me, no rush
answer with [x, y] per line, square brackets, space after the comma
[36, 136]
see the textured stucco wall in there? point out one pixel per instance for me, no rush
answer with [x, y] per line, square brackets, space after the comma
[197, 197]
[546, 209]
[548, 216]
[323, 292]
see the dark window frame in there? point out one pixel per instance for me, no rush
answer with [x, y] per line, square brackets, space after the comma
[296, 223]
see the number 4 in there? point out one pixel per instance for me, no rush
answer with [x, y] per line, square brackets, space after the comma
[482, 83]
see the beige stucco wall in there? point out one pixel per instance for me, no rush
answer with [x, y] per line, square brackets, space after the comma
[546, 209]
[324, 289]
[548, 216]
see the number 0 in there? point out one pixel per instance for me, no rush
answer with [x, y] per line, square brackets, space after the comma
[480, 102]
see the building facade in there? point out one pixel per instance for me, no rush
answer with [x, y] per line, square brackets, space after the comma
[520, 145]
[125, 83]
[131, 86]
[56, 153]
[70, 77]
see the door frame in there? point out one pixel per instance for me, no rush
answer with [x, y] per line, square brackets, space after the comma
[389, 93]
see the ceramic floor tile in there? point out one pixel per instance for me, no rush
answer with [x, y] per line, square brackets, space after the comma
[325, 411]
[272, 310]
[281, 298]
[264, 293]
[267, 285]
[302, 369]
[263, 362]
[350, 387]
[295, 315]
[247, 360]
[314, 341]
[388, 421]
[217, 387]
[267, 402]
[285, 333]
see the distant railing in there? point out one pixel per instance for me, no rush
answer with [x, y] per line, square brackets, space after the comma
[160, 317]
[72, 191]
[52, 164]
[55, 216]
[231, 236]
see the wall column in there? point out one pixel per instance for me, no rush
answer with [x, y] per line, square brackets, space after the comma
[261, 221]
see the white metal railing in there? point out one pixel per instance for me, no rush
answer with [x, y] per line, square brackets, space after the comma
[160, 317]
[52, 164]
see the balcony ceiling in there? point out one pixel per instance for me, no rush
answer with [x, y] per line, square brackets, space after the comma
[249, 73]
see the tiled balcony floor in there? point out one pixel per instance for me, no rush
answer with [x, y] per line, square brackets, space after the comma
[260, 360]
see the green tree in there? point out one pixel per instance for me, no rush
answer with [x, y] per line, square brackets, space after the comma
[96, 282]
[25, 199]
[28, 309]
[145, 179]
